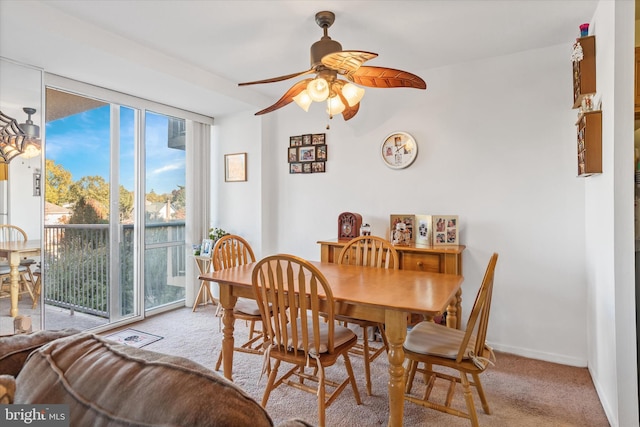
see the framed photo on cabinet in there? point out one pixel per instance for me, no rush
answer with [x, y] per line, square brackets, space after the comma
[401, 229]
[445, 230]
[424, 235]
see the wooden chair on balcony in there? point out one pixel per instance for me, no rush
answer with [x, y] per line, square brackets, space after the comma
[230, 251]
[27, 281]
[300, 298]
[368, 251]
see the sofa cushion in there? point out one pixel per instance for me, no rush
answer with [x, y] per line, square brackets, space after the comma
[15, 349]
[105, 383]
[7, 389]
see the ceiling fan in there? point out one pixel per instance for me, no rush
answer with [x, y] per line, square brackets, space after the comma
[329, 62]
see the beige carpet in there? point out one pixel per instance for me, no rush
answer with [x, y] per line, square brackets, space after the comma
[521, 392]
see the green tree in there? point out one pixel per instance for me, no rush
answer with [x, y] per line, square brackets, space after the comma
[91, 188]
[57, 185]
[88, 211]
[155, 198]
[178, 198]
[126, 204]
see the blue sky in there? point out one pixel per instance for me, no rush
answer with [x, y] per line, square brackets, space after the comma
[80, 143]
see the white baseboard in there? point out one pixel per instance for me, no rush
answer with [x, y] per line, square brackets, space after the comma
[539, 355]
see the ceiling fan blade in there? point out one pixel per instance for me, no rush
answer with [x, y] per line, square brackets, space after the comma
[385, 78]
[277, 79]
[347, 61]
[287, 97]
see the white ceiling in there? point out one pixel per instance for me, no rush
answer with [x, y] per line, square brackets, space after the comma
[192, 54]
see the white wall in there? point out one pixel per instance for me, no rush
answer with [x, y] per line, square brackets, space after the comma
[609, 222]
[496, 147]
[236, 206]
[20, 87]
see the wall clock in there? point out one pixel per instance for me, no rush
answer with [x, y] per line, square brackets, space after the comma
[349, 225]
[398, 150]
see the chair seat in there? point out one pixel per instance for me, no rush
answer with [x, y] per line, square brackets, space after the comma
[247, 306]
[5, 269]
[437, 340]
[341, 335]
[25, 261]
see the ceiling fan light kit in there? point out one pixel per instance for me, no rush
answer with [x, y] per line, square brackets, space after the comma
[328, 63]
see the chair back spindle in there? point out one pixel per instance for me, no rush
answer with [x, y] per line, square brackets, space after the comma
[291, 288]
[369, 251]
[479, 318]
[231, 251]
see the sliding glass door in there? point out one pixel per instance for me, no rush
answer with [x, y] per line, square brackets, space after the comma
[115, 211]
[164, 210]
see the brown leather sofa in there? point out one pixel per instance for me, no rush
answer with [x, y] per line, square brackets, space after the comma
[110, 384]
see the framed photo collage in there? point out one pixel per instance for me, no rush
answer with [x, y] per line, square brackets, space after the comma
[429, 230]
[307, 153]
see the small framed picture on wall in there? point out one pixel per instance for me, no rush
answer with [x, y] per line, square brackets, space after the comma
[293, 154]
[235, 167]
[307, 154]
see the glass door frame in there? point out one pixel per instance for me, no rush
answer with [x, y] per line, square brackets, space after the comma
[140, 106]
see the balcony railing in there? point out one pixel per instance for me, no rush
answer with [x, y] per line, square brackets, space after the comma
[76, 270]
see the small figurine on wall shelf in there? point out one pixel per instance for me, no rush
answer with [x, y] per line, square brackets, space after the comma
[584, 30]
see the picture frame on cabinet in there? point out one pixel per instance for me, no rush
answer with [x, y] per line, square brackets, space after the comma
[424, 225]
[401, 229]
[445, 230]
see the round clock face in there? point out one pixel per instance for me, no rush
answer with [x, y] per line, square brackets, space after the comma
[399, 150]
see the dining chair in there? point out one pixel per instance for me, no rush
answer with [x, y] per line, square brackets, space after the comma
[10, 233]
[368, 251]
[231, 251]
[458, 353]
[298, 295]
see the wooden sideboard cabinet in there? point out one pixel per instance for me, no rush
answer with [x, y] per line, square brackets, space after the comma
[437, 259]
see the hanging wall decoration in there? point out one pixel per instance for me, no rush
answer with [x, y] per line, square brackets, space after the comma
[307, 153]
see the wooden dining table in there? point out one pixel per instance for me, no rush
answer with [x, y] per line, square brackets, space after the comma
[378, 295]
[13, 251]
